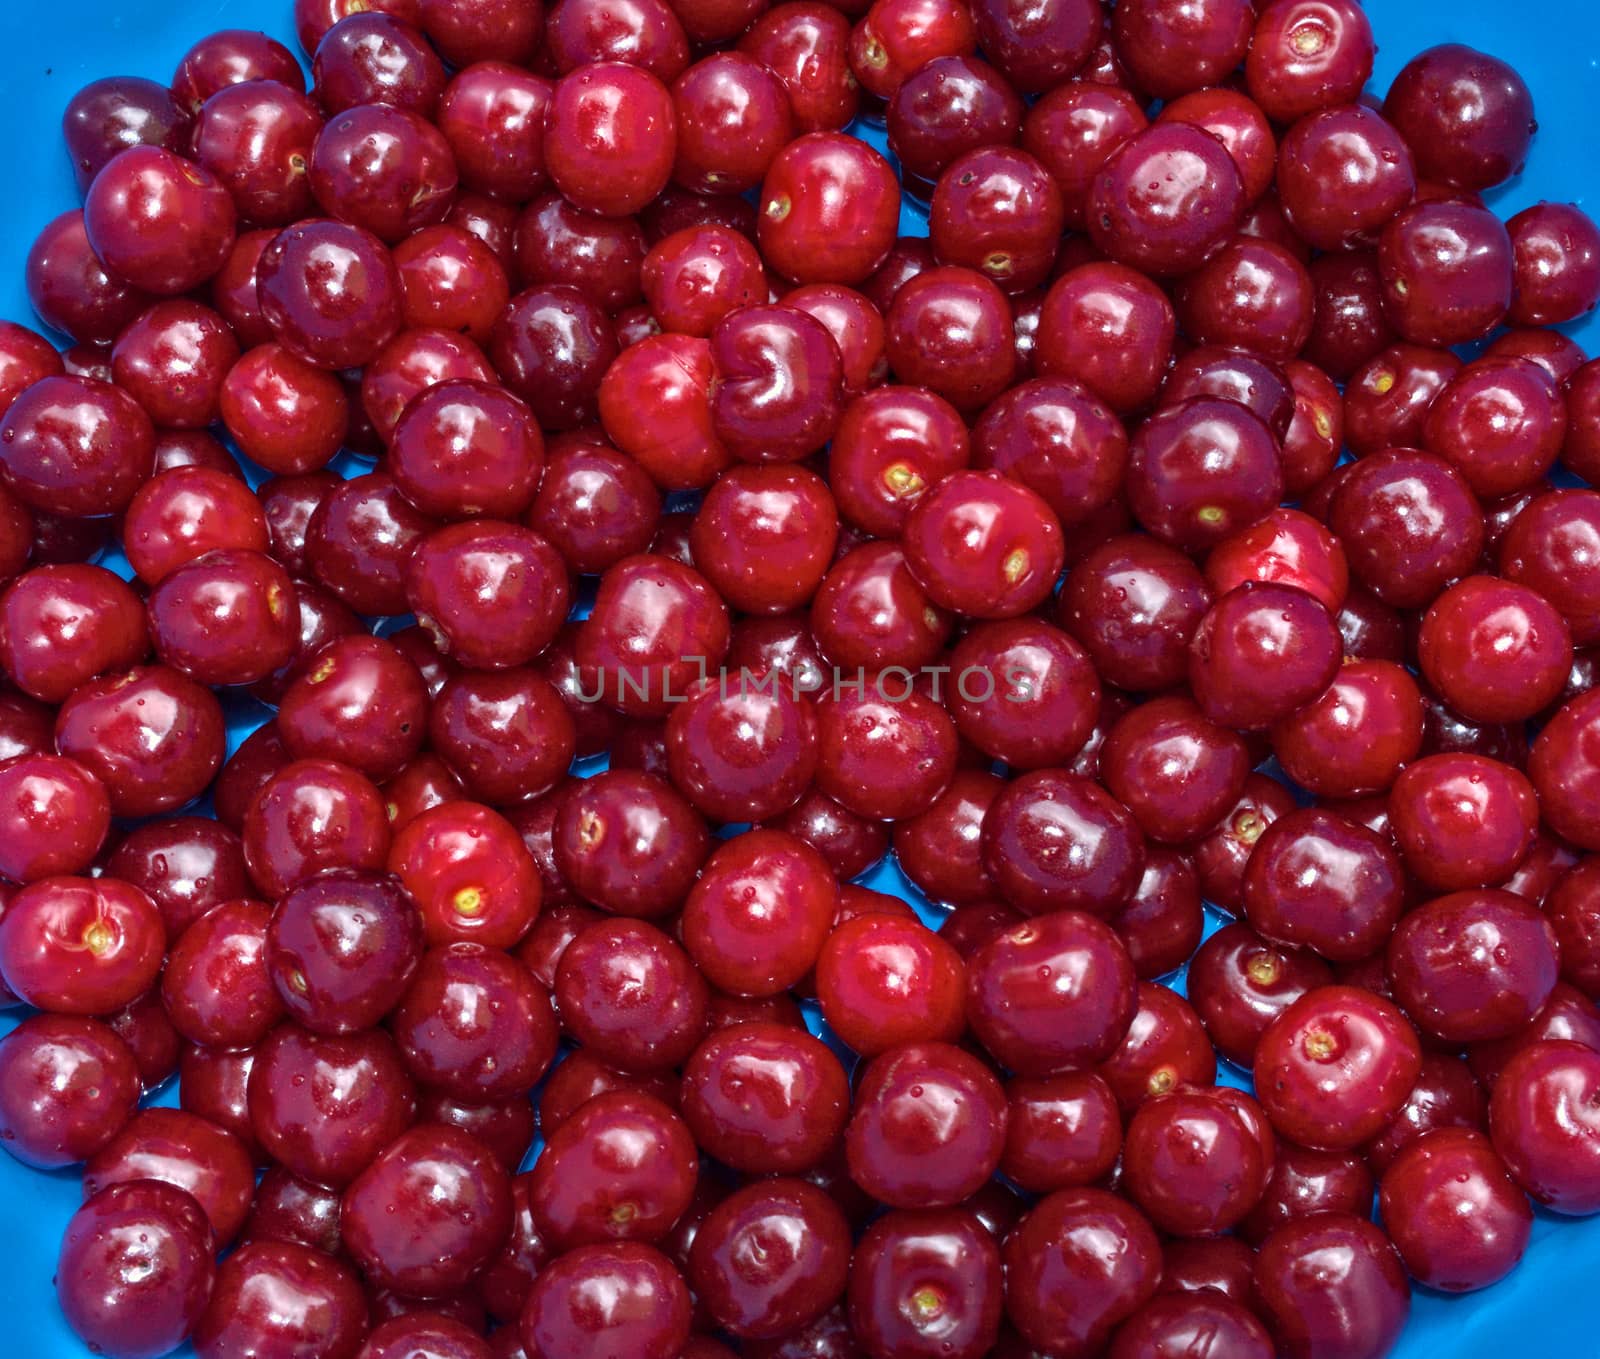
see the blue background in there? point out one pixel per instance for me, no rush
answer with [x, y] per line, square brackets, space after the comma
[47, 53]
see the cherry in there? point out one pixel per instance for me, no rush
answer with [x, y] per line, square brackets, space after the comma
[161, 223]
[1175, 771]
[1050, 994]
[940, 850]
[950, 329]
[1192, 1163]
[216, 984]
[75, 446]
[1445, 965]
[308, 815]
[1447, 272]
[1076, 1267]
[135, 1269]
[885, 751]
[1360, 1310]
[54, 816]
[1410, 524]
[1343, 175]
[770, 1259]
[1171, 49]
[884, 981]
[1023, 692]
[630, 843]
[1469, 116]
[610, 137]
[851, 842]
[182, 1150]
[925, 1283]
[643, 33]
[646, 1312]
[1305, 1182]
[1201, 470]
[1309, 55]
[1172, 229]
[1463, 820]
[622, 1167]
[756, 919]
[342, 948]
[631, 996]
[1239, 983]
[733, 116]
[285, 415]
[279, 1294]
[68, 1085]
[1110, 329]
[765, 1099]
[743, 753]
[1335, 1066]
[108, 116]
[1556, 260]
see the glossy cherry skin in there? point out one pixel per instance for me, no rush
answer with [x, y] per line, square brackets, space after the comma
[432, 1335]
[694, 278]
[631, 996]
[610, 138]
[926, 1283]
[342, 948]
[183, 1150]
[984, 545]
[1556, 258]
[1073, 130]
[1541, 1122]
[622, 1167]
[257, 139]
[428, 1213]
[1077, 1266]
[1387, 400]
[63, 625]
[1023, 692]
[1463, 820]
[358, 701]
[1501, 422]
[846, 839]
[765, 1099]
[325, 1106]
[1062, 1131]
[183, 513]
[1553, 548]
[1445, 965]
[827, 187]
[951, 329]
[745, 751]
[940, 850]
[756, 919]
[1335, 1066]
[1134, 604]
[619, 1298]
[330, 292]
[1171, 49]
[467, 870]
[54, 816]
[630, 843]
[654, 625]
[1455, 1215]
[1447, 272]
[734, 117]
[109, 115]
[151, 735]
[228, 618]
[1410, 524]
[1252, 295]
[1309, 55]
[162, 223]
[1053, 437]
[1171, 1325]
[72, 291]
[284, 414]
[1571, 910]
[1343, 174]
[75, 446]
[778, 383]
[1304, 1182]
[1239, 984]
[275, 1296]
[1349, 328]
[292, 1210]
[1051, 994]
[1331, 1283]
[450, 280]
[872, 612]
[173, 360]
[383, 169]
[310, 815]
[1197, 204]
[595, 505]
[1110, 329]
[1220, 858]
[884, 750]
[1469, 116]
[135, 1269]
[771, 1258]
[884, 981]
[1495, 650]
[1193, 1163]
[1175, 771]
[1200, 471]
[1054, 841]
[68, 1085]
[475, 1023]
[82, 946]
[216, 985]
[764, 537]
[1321, 882]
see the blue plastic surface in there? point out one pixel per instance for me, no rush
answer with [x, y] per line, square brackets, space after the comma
[46, 54]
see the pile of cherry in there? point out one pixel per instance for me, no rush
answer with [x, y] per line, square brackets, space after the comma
[980, 551]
